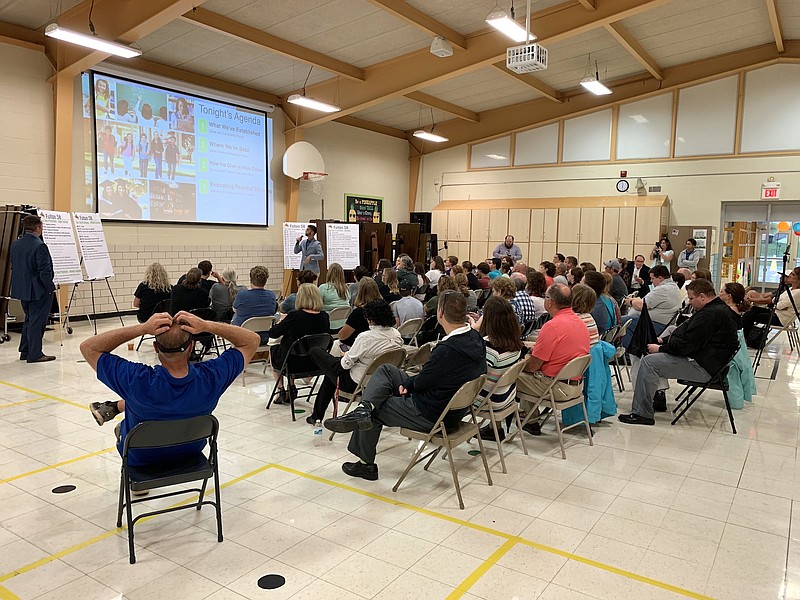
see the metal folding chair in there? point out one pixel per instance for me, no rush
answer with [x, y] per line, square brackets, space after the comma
[257, 324]
[410, 329]
[340, 313]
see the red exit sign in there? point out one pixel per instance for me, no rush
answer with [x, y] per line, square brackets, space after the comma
[770, 191]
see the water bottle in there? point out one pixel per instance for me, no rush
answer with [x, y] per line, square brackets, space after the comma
[318, 441]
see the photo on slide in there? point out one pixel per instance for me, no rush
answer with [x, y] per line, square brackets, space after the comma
[172, 201]
[104, 99]
[123, 199]
[144, 103]
[181, 114]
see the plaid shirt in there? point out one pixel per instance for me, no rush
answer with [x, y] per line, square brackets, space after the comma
[524, 307]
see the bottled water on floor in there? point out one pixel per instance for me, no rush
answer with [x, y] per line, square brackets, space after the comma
[318, 440]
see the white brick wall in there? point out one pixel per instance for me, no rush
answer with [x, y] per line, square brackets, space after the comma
[130, 264]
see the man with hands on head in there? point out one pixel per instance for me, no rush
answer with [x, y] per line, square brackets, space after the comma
[175, 389]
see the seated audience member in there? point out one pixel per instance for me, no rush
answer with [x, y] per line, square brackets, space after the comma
[449, 263]
[558, 258]
[307, 318]
[472, 279]
[507, 260]
[689, 257]
[605, 311]
[347, 371]
[701, 274]
[405, 269]
[618, 290]
[784, 311]
[561, 274]
[256, 301]
[741, 381]
[304, 276]
[446, 283]
[483, 275]
[505, 270]
[508, 248]
[522, 302]
[687, 274]
[422, 279]
[516, 275]
[395, 400]
[206, 271]
[334, 292]
[456, 270]
[626, 277]
[357, 321]
[190, 294]
[536, 288]
[571, 262]
[359, 273]
[663, 302]
[520, 267]
[695, 351]
[436, 271]
[639, 276]
[407, 307]
[587, 266]
[460, 279]
[504, 288]
[574, 275]
[500, 330]
[223, 294]
[583, 301]
[680, 281]
[562, 338]
[547, 269]
[175, 389]
[389, 287]
[153, 290]
[495, 272]
[383, 263]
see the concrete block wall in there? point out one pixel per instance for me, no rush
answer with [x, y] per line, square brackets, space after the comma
[130, 263]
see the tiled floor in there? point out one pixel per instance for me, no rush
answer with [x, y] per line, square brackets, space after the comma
[684, 511]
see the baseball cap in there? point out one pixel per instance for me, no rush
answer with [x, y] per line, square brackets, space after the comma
[405, 284]
[613, 264]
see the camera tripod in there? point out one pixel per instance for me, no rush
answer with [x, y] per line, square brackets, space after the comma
[782, 286]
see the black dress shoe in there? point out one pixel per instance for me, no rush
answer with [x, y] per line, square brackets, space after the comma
[487, 433]
[634, 419]
[359, 418]
[660, 401]
[42, 358]
[281, 397]
[23, 357]
[358, 469]
[533, 428]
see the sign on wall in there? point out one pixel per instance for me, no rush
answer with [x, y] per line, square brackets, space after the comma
[363, 209]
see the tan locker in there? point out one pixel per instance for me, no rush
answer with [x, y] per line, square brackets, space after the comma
[610, 251]
[458, 249]
[478, 251]
[627, 225]
[459, 225]
[536, 227]
[551, 219]
[498, 224]
[548, 250]
[567, 249]
[569, 225]
[534, 254]
[591, 253]
[626, 251]
[519, 225]
[648, 226]
[480, 226]
[524, 248]
[591, 228]
[439, 224]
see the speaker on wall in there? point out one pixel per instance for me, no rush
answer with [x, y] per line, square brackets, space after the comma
[423, 218]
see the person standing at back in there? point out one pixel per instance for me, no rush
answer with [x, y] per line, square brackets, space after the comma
[32, 284]
[310, 250]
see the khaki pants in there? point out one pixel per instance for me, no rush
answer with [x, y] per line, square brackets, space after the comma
[529, 385]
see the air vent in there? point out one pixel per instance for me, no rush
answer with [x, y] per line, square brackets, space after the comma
[654, 188]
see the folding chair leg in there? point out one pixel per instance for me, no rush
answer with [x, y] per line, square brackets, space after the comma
[129, 514]
[485, 463]
[202, 494]
[689, 402]
[454, 473]
[410, 466]
[291, 397]
[730, 412]
[218, 507]
[139, 345]
[433, 457]
[499, 445]
[519, 427]
[586, 422]
[688, 388]
[121, 505]
[558, 430]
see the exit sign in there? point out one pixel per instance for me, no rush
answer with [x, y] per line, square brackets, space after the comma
[771, 190]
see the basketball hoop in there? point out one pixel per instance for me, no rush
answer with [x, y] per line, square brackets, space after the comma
[316, 178]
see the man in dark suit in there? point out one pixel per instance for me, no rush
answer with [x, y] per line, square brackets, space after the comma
[638, 276]
[32, 284]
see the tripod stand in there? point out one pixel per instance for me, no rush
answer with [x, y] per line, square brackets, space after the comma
[783, 286]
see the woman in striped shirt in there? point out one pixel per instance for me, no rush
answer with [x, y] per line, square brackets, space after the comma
[583, 300]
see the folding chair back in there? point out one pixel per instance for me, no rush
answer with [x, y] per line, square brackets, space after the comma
[621, 331]
[256, 325]
[419, 358]
[440, 437]
[483, 297]
[542, 319]
[527, 329]
[164, 434]
[207, 340]
[340, 313]
[610, 336]
[411, 327]
[574, 369]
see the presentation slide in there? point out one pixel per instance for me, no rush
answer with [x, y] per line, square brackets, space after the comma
[168, 156]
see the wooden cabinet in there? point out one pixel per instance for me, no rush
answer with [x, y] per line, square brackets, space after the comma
[519, 225]
[648, 226]
[459, 223]
[479, 251]
[610, 227]
[480, 226]
[591, 229]
[567, 249]
[498, 224]
[591, 253]
[439, 224]
[458, 249]
[534, 254]
[569, 225]
[627, 225]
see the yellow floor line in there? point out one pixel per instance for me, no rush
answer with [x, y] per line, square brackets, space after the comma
[22, 402]
[43, 395]
[473, 577]
[6, 594]
[56, 465]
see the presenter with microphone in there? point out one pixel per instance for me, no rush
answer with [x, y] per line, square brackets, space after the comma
[310, 250]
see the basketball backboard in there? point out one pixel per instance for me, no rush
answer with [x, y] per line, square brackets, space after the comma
[302, 157]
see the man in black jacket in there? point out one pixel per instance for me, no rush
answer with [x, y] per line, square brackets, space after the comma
[638, 276]
[393, 399]
[695, 351]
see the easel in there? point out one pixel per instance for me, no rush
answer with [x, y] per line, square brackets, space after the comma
[65, 324]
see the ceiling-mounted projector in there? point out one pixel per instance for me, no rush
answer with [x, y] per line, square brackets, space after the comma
[441, 47]
[527, 58]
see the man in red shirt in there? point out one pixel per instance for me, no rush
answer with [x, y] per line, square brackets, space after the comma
[108, 143]
[561, 339]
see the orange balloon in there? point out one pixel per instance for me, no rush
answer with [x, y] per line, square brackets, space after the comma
[784, 226]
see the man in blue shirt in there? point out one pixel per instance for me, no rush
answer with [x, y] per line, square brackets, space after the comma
[255, 302]
[173, 390]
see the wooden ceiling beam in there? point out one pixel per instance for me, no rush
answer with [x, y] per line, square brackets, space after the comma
[524, 115]
[266, 41]
[624, 37]
[416, 18]
[775, 23]
[162, 70]
[419, 70]
[443, 105]
[21, 36]
[369, 126]
[588, 4]
[126, 25]
[540, 86]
